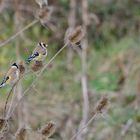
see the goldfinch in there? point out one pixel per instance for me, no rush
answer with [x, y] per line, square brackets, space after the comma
[12, 76]
[39, 53]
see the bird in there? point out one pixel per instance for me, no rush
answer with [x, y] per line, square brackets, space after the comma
[39, 53]
[12, 76]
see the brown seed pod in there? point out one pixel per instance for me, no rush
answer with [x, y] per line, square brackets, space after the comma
[48, 129]
[37, 65]
[76, 36]
[44, 15]
[2, 121]
[21, 67]
[21, 134]
[102, 104]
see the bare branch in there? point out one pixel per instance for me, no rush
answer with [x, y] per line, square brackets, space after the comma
[18, 33]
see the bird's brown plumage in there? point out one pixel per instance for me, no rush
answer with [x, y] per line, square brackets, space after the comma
[13, 75]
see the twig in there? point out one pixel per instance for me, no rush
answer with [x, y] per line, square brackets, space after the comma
[7, 99]
[126, 127]
[84, 80]
[16, 34]
[85, 126]
[12, 101]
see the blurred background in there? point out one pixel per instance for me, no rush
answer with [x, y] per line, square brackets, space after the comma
[67, 92]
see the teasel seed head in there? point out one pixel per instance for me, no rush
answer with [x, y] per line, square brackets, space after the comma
[37, 65]
[21, 133]
[2, 121]
[48, 129]
[102, 104]
[21, 66]
[77, 35]
[44, 14]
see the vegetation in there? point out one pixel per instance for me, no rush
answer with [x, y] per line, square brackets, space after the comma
[112, 69]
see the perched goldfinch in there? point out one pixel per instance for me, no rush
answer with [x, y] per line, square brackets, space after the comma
[12, 76]
[39, 53]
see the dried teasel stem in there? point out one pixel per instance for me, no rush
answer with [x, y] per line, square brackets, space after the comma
[48, 129]
[18, 33]
[7, 98]
[21, 133]
[77, 35]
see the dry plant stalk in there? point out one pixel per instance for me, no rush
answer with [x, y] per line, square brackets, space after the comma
[18, 33]
[21, 134]
[48, 129]
[8, 96]
[76, 36]
[37, 65]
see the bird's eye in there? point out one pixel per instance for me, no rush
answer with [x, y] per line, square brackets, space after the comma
[36, 54]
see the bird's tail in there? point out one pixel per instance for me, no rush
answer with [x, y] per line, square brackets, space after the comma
[2, 85]
[78, 44]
